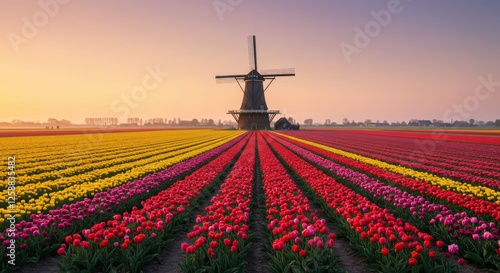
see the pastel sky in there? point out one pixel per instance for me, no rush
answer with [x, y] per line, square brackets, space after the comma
[380, 60]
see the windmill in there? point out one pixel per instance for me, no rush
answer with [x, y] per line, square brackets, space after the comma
[253, 113]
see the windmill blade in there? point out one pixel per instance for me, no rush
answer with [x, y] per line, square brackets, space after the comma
[252, 53]
[278, 72]
[228, 78]
[225, 80]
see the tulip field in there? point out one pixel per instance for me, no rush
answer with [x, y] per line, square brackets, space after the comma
[213, 200]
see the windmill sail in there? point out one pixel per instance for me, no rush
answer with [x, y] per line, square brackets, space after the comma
[283, 72]
[252, 53]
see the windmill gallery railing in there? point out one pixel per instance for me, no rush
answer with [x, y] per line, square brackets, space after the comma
[256, 119]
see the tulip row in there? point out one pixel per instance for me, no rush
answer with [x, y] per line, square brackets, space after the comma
[102, 168]
[301, 241]
[448, 226]
[134, 170]
[476, 205]
[474, 170]
[38, 236]
[480, 158]
[132, 239]
[66, 155]
[447, 135]
[53, 166]
[220, 236]
[443, 183]
[391, 244]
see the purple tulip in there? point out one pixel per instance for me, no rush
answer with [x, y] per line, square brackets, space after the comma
[453, 248]
[487, 235]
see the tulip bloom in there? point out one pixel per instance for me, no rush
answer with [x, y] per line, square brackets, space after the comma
[453, 248]
[303, 253]
[385, 251]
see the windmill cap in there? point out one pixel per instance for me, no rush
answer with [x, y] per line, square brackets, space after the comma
[254, 75]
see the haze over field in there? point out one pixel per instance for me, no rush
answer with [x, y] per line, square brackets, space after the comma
[383, 60]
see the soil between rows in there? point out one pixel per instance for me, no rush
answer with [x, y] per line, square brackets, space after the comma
[257, 258]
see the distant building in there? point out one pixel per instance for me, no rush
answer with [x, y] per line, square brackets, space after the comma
[284, 124]
[425, 122]
[378, 124]
[422, 122]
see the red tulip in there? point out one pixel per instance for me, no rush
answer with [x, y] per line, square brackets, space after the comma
[385, 251]
[139, 238]
[184, 246]
[399, 246]
[61, 251]
[303, 253]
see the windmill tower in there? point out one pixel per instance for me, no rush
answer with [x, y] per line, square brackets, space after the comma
[253, 113]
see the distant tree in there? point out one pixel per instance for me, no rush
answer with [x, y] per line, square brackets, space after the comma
[291, 120]
[219, 123]
[52, 121]
[345, 121]
[65, 122]
[368, 122]
[211, 122]
[480, 123]
[327, 121]
[308, 122]
[472, 121]
[403, 123]
[195, 122]
[490, 123]
[497, 122]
